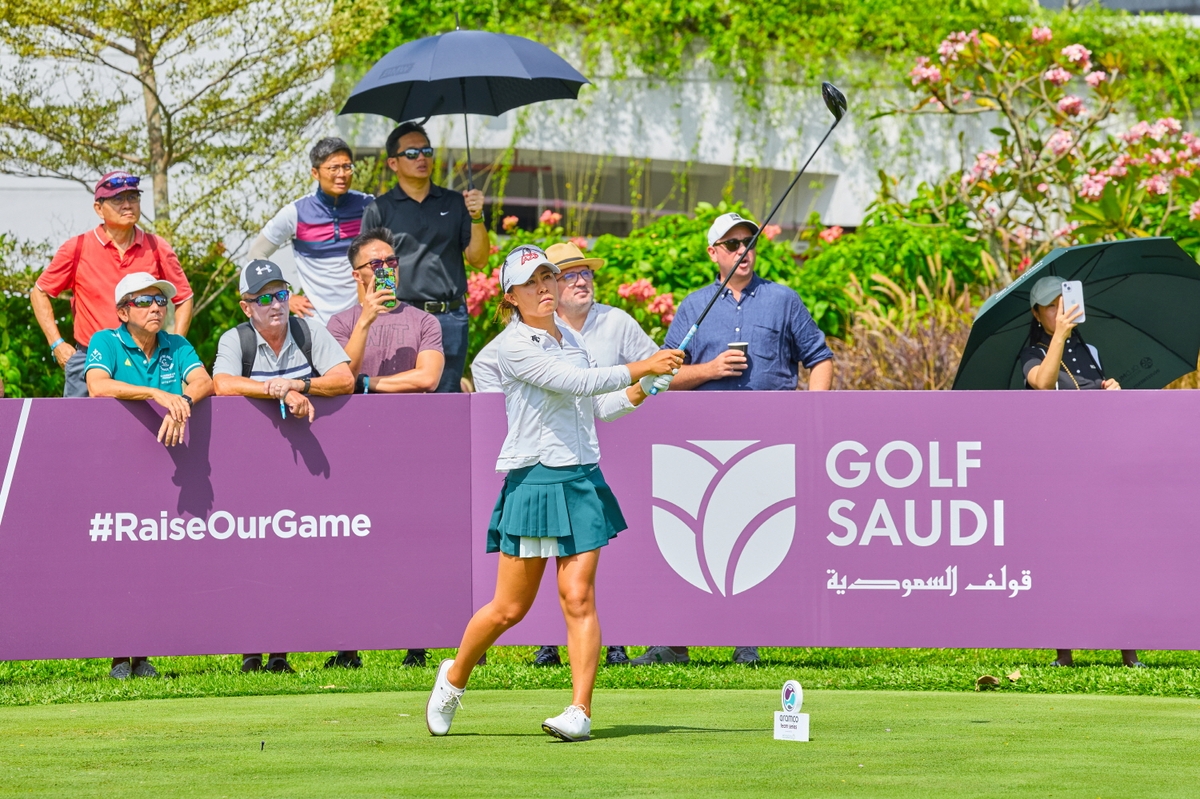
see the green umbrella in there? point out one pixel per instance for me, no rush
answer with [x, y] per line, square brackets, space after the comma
[1142, 300]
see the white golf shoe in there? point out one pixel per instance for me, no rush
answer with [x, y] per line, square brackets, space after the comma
[444, 700]
[570, 725]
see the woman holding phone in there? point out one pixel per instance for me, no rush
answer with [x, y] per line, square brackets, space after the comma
[1057, 357]
[554, 503]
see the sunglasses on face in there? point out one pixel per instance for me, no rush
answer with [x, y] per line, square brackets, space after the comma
[146, 300]
[265, 300]
[413, 153]
[733, 245]
[571, 278]
[130, 182]
[376, 263]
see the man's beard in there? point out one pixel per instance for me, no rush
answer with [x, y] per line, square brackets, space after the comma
[569, 304]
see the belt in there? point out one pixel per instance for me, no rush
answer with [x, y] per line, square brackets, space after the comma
[436, 306]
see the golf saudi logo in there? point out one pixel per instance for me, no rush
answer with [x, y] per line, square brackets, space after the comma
[724, 511]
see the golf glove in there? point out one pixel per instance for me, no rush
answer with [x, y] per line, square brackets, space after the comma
[660, 383]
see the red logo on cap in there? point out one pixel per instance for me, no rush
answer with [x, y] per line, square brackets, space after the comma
[529, 255]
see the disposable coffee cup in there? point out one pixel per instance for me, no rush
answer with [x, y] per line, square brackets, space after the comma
[740, 346]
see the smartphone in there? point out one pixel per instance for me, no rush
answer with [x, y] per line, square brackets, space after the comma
[1073, 295]
[385, 280]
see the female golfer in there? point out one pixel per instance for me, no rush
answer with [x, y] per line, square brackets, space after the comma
[554, 503]
[1057, 357]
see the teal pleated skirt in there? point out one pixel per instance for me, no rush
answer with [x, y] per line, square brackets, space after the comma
[571, 504]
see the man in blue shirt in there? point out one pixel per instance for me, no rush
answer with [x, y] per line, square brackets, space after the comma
[138, 361]
[777, 333]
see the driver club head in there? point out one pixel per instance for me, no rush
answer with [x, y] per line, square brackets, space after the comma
[835, 101]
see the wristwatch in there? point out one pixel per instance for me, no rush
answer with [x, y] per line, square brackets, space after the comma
[188, 400]
[307, 385]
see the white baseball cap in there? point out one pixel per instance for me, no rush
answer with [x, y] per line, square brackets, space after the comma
[521, 263]
[136, 281]
[725, 223]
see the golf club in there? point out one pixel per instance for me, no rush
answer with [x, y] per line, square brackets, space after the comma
[835, 101]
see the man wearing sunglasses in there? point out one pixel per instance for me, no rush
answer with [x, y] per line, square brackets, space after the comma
[92, 264]
[139, 360]
[776, 335]
[320, 228]
[278, 357]
[434, 230]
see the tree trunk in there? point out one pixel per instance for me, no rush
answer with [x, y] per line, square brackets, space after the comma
[159, 158]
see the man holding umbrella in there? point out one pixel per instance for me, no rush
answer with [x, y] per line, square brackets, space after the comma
[435, 230]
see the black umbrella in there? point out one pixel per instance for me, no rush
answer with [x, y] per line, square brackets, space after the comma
[1142, 300]
[463, 72]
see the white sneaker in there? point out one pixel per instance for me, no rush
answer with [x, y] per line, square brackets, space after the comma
[570, 725]
[444, 700]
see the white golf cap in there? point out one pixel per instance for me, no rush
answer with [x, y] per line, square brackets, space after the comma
[136, 281]
[521, 263]
[725, 223]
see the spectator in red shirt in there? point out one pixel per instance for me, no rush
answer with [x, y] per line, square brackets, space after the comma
[92, 264]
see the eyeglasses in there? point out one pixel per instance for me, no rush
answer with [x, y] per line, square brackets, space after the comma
[340, 169]
[733, 245]
[571, 278]
[146, 300]
[265, 300]
[413, 153]
[128, 181]
[375, 263]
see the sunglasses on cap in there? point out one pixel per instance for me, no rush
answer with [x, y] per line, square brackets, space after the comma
[413, 153]
[733, 245]
[265, 300]
[122, 181]
[146, 300]
[376, 263]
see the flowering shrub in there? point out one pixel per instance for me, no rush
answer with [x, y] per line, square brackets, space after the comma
[550, 218]
[1056, 178]
[482, 287]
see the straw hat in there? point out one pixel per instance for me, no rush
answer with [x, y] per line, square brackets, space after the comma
[566, 255]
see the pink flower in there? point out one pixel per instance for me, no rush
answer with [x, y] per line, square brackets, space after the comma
[1060, 143]
[1118, 168]
[580, 242]
[771, 231]
[638, 291]
[962, 98]
[955, 43]
[495, 248]
[830, 234]
[509, 223]
[1043, 188]
[662, 304]
[1136, 133]
[987, 163]
[1041, 35]
[1156, 184]
[1092, 186]
[1078, 54]
[1094, 79]
[1063, 232]
[1024, 264]
[923, 72]
[550, 218]
[1071, 105]
[481, 287]
[1194, 214]
[1163, 128]
[1056, 75]
[1158, 156]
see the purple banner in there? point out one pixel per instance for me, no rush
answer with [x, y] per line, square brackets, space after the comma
[260, 534]
[940, 519]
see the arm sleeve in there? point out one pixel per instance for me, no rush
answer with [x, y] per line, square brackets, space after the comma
[278, 232]
[530, 364]
[60, 274]
[371, 217]
[186, 358]
[613, 405]
[431, 334]
[808, 342]
[485, 369]
[341, 327]
[229, 354]
[465, 235]
[1030, 357]
[326, 352]
[172, 271]
[636, 344]
[102, 353]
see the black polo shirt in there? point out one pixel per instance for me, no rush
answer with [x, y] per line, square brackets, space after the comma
[1080, 368]
[431, 236]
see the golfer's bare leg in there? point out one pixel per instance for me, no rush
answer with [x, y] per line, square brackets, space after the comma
[517, 581]
[577, 595]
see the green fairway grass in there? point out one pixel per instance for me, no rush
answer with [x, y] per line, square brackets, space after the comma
[647, 742]
[1170, 674]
